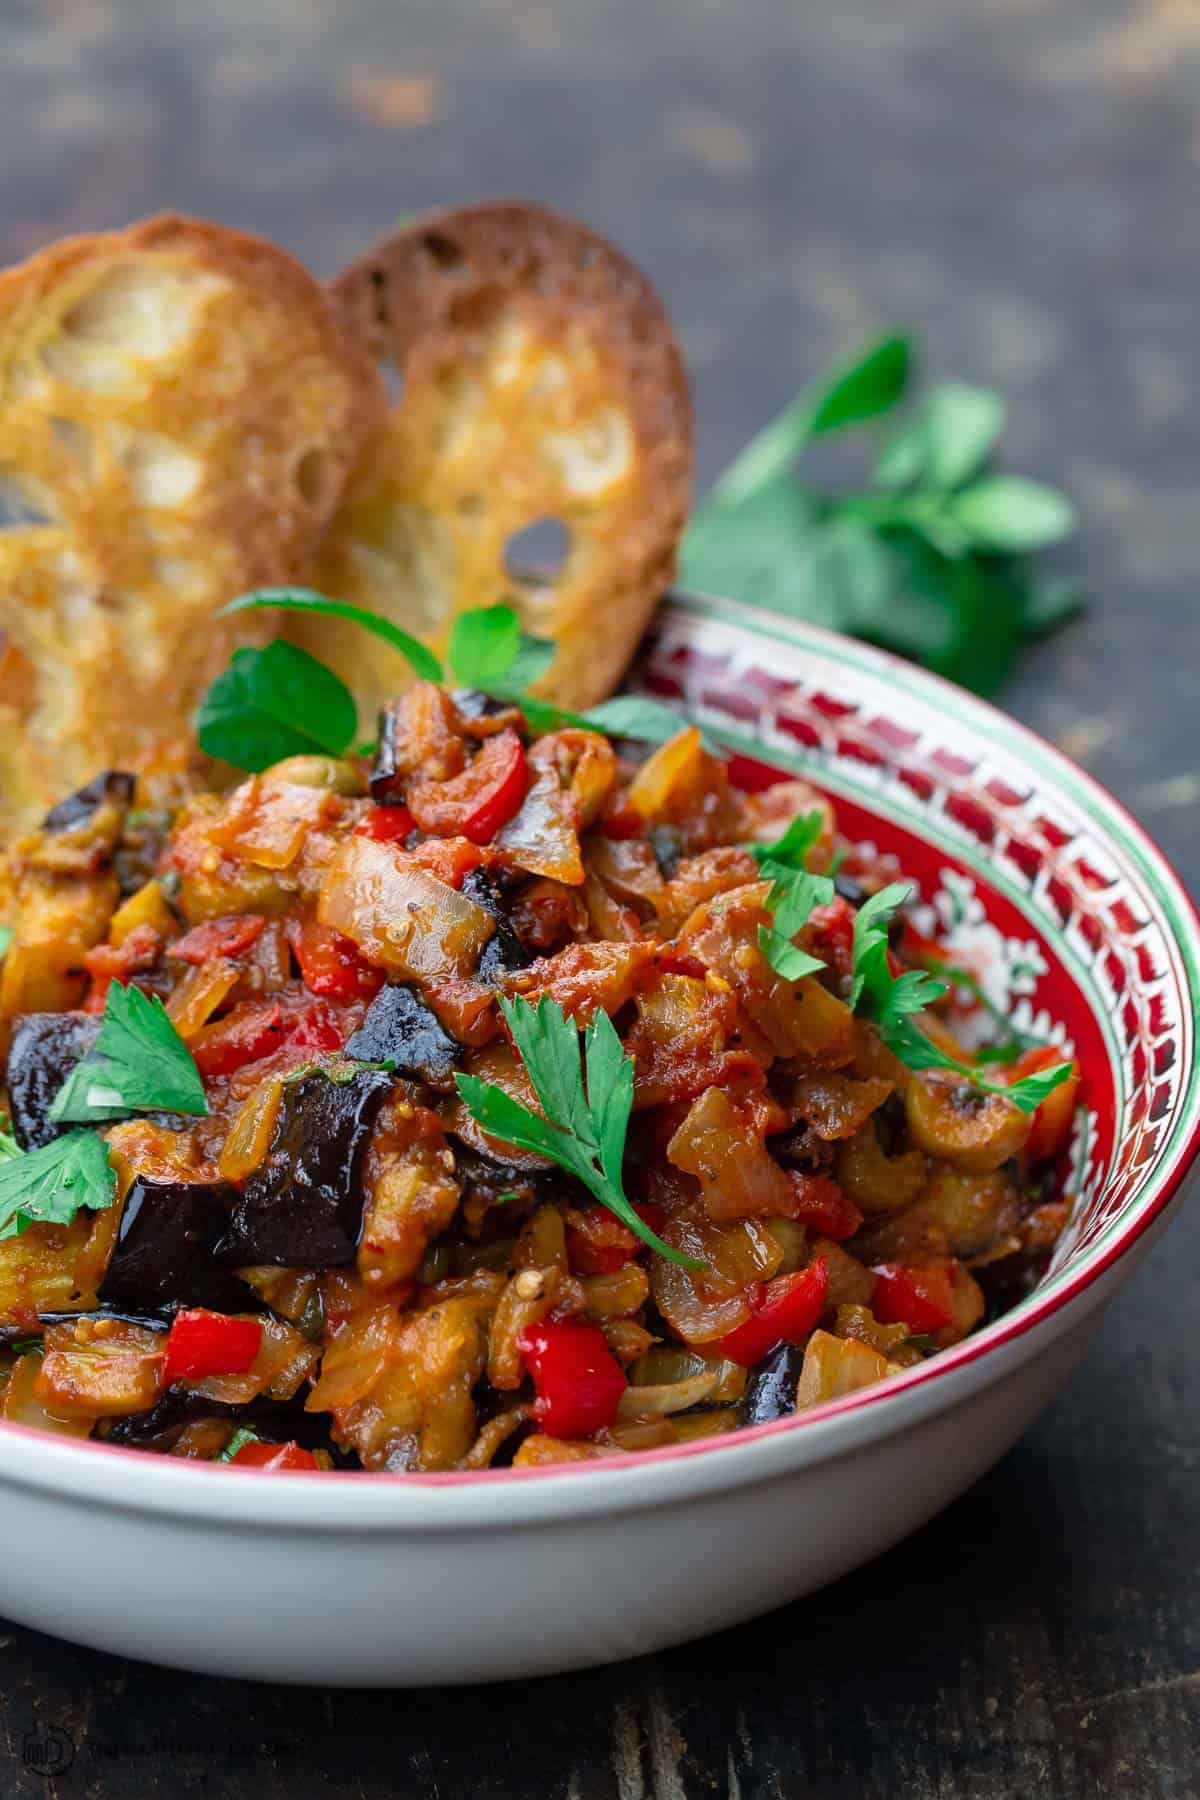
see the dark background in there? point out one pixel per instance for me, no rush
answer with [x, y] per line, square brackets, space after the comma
[1018, 182]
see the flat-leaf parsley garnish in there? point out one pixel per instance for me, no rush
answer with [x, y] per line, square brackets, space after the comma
[50, 1185]
[583, 1128]
[139, 1063]
[892, 1001]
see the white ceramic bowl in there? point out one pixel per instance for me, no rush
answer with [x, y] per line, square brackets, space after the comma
[433, 1579]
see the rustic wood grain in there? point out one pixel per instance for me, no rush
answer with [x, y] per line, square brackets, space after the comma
[1017, 182]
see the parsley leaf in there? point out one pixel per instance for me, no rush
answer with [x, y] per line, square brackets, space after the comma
[792, 897]
[49, 1186]
[251, 715]
[9, 1147]
[932, 558]
[238, 1441]
[892, 1000]
[791, 850]
[583, 1131]
[139, 1063]
[424, 662]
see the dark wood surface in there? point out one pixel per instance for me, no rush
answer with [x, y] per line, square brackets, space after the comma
[1017, 182]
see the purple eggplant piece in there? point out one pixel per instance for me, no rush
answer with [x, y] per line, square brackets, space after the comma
[771, 1390]
[504, 951]
[45, 1050]
[113, 788]
[164, 1252]
[400, 1029]
[303, 1206]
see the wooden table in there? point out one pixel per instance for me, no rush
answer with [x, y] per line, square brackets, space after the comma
[1018, 183]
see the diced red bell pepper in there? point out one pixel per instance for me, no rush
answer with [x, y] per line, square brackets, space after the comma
[230, 937]
[209, 1343]
[274, 1458]
[1052, 1120]
[830, 934]
[919, 1295]
[819, 1202]
[106, 963]
[330, 963]
[626, 823]
[476, 803]
[256, 1029]
[600, 1243]
[386, 824]
[578, 1380]
[788, 1309]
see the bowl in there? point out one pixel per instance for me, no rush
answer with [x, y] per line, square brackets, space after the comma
[1075, 923]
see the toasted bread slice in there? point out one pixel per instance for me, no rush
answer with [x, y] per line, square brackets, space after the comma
[540, 380]
[179, 411]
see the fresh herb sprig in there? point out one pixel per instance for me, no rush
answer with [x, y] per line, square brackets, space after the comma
[893, 1001]
[50, 1185]
[581, 1127]
[790, 850]
[139, 1063]
[280, 701]
[793, 895]
[933, 557]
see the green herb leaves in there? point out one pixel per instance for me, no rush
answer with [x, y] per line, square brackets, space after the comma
[790, 851]
[280, 701]
[583, 1129]
[272, 703]
[931, 559]
[893, 1000]
[139, 1063]
[49, 1186]
[793, 895]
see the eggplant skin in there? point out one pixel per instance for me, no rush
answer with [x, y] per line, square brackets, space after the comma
[399, 1028]
[45, 1049]
[113, 788]
[164, 1251]
[504, 952]
[303, 1206]
[771, 1390]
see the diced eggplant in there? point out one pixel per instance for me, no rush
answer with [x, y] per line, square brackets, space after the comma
[472, 703]
[278, 1419]
[113, 788]
[504, 952]
[490, 1175]
[847, 888]
[303, 1206]
[401, 1029]
[164, 1251]
[666, 841]
[387, 784]
[45, 1049]
[771, 1389]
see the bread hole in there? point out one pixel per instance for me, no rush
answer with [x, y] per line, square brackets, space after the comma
[537, 551]
[443, 252]
[18, 507]
[393, 378]
[75, 439]
[314, 475]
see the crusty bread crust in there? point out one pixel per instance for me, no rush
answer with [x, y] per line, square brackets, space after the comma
[180, 408]
[541, 378]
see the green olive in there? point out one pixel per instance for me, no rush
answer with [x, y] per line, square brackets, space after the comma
[973, 1131]
[317, 772]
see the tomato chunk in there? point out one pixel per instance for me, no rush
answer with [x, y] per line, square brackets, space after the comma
[386, 824]
[579, 1381]
[205, 1343]
[274, 1458]
[231, 937]
[788, 1309]
[598, 1243]
[476, 803]
[331, 964]
[919, 1295]
[256, 1029]
[819, 1202]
